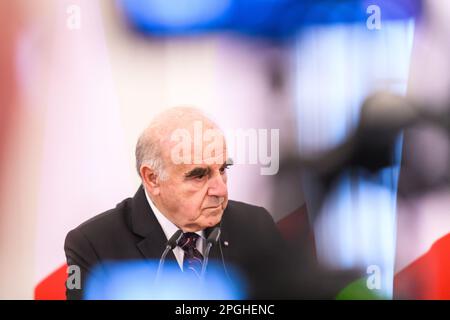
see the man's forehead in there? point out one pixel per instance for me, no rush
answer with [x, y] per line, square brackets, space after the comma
[188, 167]
[205, 135]
[211, 162]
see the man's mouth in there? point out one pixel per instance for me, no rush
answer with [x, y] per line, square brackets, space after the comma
[215, 207]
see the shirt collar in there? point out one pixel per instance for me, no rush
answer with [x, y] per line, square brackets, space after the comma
[168, 226]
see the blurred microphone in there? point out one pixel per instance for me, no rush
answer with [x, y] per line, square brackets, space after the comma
[210, 241]
[372, 144]
[171, 243]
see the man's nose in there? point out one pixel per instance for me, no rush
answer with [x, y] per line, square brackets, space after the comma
[217, 186]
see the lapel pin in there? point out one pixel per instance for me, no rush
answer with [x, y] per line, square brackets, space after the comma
[225, 243]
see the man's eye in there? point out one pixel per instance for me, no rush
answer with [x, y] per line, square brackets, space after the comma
[223, 169]
[200, 177]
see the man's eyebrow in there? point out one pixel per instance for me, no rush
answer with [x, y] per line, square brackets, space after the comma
[229, 162]
[199, 171]
[226, 165]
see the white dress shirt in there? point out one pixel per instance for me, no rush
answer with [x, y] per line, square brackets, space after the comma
[169, 229]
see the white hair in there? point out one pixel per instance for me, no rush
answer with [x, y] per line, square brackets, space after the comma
[148, 152]
[148, 148]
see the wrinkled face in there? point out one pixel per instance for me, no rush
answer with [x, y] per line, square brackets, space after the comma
[194, 195]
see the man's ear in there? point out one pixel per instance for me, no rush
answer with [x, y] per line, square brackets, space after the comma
[150, 180]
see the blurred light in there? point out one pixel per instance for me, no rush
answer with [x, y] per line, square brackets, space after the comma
[356, 228]
[266, 18]
[135, 280]
[175, 15]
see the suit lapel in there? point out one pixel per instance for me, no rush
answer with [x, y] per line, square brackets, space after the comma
[145, 224]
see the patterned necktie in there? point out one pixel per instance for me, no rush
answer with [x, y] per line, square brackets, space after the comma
[193, 259]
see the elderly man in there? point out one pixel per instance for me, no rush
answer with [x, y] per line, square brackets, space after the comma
[184, 187]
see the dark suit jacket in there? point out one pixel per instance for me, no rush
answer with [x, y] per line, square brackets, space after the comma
[131, 231]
